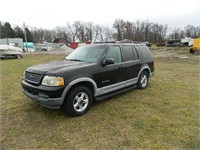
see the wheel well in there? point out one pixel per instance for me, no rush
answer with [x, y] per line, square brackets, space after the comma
[147, 71]
[86, 84]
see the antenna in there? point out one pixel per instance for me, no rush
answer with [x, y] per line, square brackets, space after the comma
[25, 36]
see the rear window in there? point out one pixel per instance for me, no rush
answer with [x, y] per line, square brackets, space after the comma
[127, 53]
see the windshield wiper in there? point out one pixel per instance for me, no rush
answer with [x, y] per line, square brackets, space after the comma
[74, 60]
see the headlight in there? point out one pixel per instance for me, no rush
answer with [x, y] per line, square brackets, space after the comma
[52, 81]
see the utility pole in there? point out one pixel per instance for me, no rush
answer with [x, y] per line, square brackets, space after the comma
[25, 36]
[0, 29]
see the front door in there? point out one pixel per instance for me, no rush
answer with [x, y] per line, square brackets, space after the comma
[114, 73]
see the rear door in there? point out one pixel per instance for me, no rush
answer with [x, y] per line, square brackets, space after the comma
[131, 62]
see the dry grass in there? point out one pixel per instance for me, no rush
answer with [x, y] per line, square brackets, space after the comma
[164, 116]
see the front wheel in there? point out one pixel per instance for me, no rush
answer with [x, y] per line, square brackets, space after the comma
[143, 80]
[78, 101]
[18, 56]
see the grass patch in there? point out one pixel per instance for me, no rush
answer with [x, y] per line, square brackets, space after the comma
[164, 116]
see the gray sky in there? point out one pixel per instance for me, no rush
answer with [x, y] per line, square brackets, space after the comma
[49, 14]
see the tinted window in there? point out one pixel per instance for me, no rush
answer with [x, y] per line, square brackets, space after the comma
[86, 54]
[144, 51]
[135, 53]
[115, 53]
[127, 53]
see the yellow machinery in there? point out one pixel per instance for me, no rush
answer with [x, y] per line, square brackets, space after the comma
[196, 46]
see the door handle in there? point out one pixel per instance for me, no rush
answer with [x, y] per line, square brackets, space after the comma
[120, 67]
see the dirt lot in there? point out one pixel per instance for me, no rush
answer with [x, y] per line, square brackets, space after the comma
[163, 116]
[174, 53]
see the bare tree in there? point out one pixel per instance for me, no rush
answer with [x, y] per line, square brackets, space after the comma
[119, 25]
[191, 31]
[38, 35]
[89, 31]
[61, 32]
[108, 32]
[72, 31]
[128, 31]
[147, 29]
[81, 29]
[96, 33]
[101, 33]
[48, 36]
[139, 30]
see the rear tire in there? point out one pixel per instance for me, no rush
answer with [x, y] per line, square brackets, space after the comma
[143, 80]
[18, 56]
[191, 50]
[78, 101]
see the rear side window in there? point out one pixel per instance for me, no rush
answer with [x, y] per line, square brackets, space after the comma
[127, 53]
[144, 52]
[135, 53]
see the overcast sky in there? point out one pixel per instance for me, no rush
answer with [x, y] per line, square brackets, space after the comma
[49, 14]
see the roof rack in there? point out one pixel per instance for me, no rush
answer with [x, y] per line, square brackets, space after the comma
[103, 42]
[122, 41]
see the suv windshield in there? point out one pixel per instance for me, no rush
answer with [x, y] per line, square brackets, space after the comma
[86, 54]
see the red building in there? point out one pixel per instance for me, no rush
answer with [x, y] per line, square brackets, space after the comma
[74, 45]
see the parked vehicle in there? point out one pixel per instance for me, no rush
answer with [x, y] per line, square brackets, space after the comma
[91, 72]
[187, 41]
[196, 46]
[9, 51]
[161, 43]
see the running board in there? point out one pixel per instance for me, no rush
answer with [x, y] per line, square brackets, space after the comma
[98, 98]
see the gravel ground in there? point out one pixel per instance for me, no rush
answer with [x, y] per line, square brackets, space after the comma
[171, 52]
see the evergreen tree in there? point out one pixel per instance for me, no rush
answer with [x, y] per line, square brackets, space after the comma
[19, 32]
[29, 35]
[8, 32]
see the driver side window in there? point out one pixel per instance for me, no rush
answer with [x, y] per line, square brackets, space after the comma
[115, 54]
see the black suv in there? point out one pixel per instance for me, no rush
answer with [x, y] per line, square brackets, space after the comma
[91, 72]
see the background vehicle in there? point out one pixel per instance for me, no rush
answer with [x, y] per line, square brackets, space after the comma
[7, 51]
[196, 46]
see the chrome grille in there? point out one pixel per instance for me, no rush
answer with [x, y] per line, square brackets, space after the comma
[32, 77]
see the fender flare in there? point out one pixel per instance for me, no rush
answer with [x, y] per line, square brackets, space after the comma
[74, 82]
[142, 69]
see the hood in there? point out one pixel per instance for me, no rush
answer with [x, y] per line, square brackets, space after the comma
[56, 66]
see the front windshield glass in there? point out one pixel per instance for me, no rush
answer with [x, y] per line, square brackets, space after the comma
[86, 54]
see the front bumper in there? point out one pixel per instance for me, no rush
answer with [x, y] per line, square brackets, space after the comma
[50, 97]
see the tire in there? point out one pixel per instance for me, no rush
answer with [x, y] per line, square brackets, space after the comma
[78, 101]
[143, 80]
[18, 56]
[191, 50]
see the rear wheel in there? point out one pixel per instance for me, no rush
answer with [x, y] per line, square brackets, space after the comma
[143, 80]
[18, 56]
[78, 101]
[191, 50]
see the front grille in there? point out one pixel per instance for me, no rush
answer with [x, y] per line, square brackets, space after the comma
[32, 77]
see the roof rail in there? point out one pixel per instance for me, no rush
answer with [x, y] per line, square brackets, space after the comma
[135, 42]
[103, 42]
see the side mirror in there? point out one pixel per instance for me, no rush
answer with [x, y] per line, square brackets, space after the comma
[107, 61]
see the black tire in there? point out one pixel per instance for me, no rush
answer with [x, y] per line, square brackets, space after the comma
[18, 56]
[191, 50]
[78, 101]
[143, 80]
